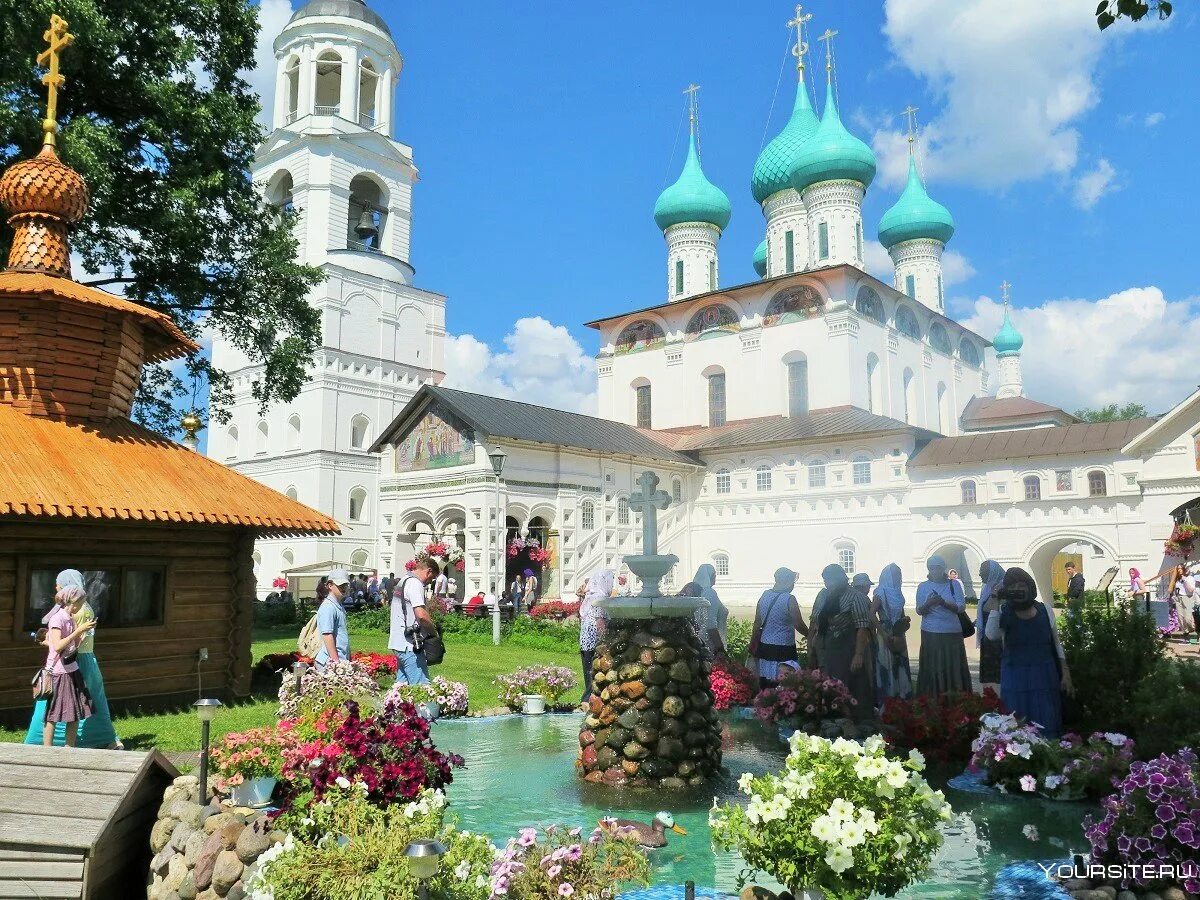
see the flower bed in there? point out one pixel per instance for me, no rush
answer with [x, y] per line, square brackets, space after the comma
[840, 817]
[550, 682]
[942, 727]
[555, 609]
[1017, 758]
[338, 683]
[378, 665]
[560, 863]
[732, 684]
[450, 696]
[805, 698]
[1152, 819]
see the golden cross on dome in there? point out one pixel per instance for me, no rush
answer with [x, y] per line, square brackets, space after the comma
[828, 37]
[910, 113]
[692, 90]
[801, 46]
[59, 39]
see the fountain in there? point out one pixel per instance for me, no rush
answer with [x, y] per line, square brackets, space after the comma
[651, 722]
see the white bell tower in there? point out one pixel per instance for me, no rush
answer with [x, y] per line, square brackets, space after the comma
[331, 158]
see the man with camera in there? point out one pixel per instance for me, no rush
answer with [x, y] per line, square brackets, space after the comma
[408, 614]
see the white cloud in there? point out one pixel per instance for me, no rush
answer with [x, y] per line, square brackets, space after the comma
[1132, 346]
[956, 268]
[542, 364]
[273, 15]
[1153, 119]
[1091, 186]
[1012, 79]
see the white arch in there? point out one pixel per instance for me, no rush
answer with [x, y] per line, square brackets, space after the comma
[359, 432]
[291, 493]
[449, 515]
[356, 501]
[415, 515]
[293, 432]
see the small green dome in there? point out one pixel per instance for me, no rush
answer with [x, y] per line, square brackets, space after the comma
[915, 215]
[693, 198]
[773, 169]
[1008, 340]
[760, 260]
[833, 153]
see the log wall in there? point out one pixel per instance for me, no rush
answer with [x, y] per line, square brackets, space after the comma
[208, 604]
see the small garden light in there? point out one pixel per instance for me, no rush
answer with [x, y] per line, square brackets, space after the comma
[424, 859]
[298, 670]
[206, 711]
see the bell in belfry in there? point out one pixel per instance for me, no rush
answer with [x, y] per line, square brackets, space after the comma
[366, 228]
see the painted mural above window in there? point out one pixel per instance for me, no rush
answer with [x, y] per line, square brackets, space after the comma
[868, 304]
[906, 323]
[938, 339]
[712, 321]
[640, 335]
[437, 441]
[793, 304]
[969, 353]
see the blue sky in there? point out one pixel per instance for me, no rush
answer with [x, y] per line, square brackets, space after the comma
[545, 131]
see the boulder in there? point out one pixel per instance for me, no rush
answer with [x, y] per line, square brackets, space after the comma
[160, 834]
[656, 675]
[700, 700]
[645, 735]
[237, 892]
[179, 835]
[629, 719]
[671, 783]
[656, 643]
[595, 705]
[680, 672]
[665, 656]
[187, 888]
[630, 767]
[646, 656]
[1173, 893]
[1127, 895]
[594, 777]
[643, 639]
[158, 865]
[670, 748]
[191, 782]
[195, 843]
[253, 840]
[655, 694]
[206, 861]
[642, 705]
[606, 758]
[608, 716]
[587, 737]
[588, 756]
[620, 704]
[220, 820]
[177, 870]
[672, 727]
[226, 872]
[631, 672]
[601, 738]
[634, 690]
[673, 706]
[618, 737]
[186, 811]
[615, 776]
[651, 718]
[634, 750]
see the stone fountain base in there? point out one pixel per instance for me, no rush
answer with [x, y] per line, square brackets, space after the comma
[651, 722]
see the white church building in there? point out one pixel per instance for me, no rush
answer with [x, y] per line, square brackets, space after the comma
[813, 415]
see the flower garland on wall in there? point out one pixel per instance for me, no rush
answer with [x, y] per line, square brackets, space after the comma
[537, 553]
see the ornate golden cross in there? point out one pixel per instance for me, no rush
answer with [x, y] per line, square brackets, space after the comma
[801, 46]
[1004, 286]
[59, 39]
[828, 37]
[911, 114]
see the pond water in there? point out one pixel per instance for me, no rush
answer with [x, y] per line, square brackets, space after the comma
[519, 771]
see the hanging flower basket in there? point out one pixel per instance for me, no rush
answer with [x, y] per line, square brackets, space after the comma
[439, 553]
[1182, 541]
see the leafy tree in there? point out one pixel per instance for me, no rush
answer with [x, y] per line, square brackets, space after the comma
[158, 119]
[1112, 413]
[1110, 10]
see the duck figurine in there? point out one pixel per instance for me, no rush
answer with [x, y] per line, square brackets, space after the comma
[650, 836]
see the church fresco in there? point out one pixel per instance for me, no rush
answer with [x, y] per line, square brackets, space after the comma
[712, 321]
[638, 336]
[437, 441]
[792, 305]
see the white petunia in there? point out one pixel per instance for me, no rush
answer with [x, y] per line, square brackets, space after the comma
[462, 870]
[915, 757]
[824, 829]
[1115, 738]
[841, 809]
[745, 781]
[853, 834]
[839, 859]
[847, 748]
[343, 782]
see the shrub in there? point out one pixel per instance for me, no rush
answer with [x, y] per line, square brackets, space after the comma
[840, 817]
[737, 638]
[732, 684]
[941, 727]
[1090, 599]
[376, 619]
[339, 683]
[560, 864]
[1109, 652]
[804, 697]
[549, 681]
[271, 613]
[532, 632]
[1152, 819]
[1166, 705]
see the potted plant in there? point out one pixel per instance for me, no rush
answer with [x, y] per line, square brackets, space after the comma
[248, 764]
[560, 864]
[841, 820]
[534, 689]
[805, 699]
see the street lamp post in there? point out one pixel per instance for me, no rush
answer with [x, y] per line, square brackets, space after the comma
[206, 711]
[497, 457]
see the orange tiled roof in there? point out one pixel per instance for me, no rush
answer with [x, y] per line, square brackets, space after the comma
[119, 470]
[171, 342]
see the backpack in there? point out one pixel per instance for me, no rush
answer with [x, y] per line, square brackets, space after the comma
[430, 642]
[309, 642]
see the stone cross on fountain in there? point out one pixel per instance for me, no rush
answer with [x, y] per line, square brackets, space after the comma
[648, 503]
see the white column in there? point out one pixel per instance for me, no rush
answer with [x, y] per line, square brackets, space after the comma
[383, 104]
[921, 260]
[308, 82]
[692, 253]
[837, 205]
[349, 94]
[1010, 376]
[785, 213]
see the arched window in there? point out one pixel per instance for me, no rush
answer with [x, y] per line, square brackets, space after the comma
[873, 377]
[1097, 483]
[845, 558]
[289, 559]
[358, 559]
[797, 380]
[366, 218]
[969, 492]
[640, 335]
[860, 470]
[642, 400]
[623, 511]
[358, 505]
[587, 515]
[943, 407]
[721, 564]
[716, 399]
[677, 490]
[906, 323]
[368, 89]
[329, 84]
[723, 481]
[358, 432]
[279, 191]
[710, 322]
[293, 433]
[938, 339]
[792, 304]
[816, 474]
[868, 304]
[1033, 487]
[291, 77]
[969, 353]
[261, 438]
[910, 396]
[231, 438]
[762, 477]
[292, 493]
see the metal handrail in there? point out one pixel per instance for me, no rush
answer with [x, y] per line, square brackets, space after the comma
[327, 110]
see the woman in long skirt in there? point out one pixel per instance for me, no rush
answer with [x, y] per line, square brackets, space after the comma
[69, 702]
[943, 668]
[991, 575]
[893, 675]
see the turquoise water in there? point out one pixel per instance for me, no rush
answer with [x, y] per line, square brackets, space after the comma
[520, 772]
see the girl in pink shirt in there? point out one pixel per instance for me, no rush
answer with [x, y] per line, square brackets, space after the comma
[70, 702]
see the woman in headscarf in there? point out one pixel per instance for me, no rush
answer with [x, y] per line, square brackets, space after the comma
[591, 624]
[943, 668]
[714, 632]
[777, 618]
[69, 704]
[1137, 589]
[531, 586]
[991, 575]
[893, 674]
[843, 626]
[1033, 672]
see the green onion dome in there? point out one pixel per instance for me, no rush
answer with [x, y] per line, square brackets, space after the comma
[693, 198]
[915, 215]
[832, 153]
[760, 260]
[1008, 340]
[773, 169]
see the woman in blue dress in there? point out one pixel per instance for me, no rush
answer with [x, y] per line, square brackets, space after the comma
[1033, 674]
[893, 672]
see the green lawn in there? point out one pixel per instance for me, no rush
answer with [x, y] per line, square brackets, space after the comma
[474, 663]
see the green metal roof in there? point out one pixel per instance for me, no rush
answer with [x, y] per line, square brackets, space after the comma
[773, 169]
[833, 153]
[760, 260]
[915, 215]
[692, 198]
[1008, 340]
